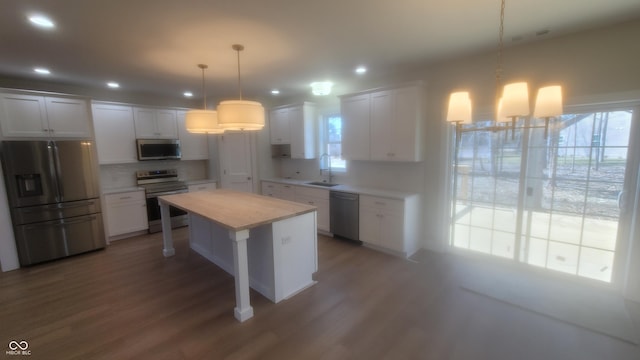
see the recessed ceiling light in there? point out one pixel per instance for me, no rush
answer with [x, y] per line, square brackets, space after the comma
[113, 84]
[187, 94]
[321, 88]
[361, 70]
[42, 21]
[42, 71]
[275, 92]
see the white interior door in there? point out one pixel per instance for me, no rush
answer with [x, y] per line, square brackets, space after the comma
[237, 161]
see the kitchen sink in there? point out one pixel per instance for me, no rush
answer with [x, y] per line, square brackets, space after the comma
[320, 183]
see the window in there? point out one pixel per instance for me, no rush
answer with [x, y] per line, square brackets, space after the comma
[552, 202]
[333, 141]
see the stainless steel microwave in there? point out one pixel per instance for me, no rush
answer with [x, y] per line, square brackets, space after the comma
[158, 149]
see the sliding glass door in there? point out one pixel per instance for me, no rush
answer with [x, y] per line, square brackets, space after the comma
[548, 198]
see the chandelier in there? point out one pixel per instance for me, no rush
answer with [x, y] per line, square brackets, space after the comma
[513, 102]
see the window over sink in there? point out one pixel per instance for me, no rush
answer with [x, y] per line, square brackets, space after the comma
[332, 140]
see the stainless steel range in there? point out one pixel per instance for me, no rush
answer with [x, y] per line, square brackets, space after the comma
[157, 183]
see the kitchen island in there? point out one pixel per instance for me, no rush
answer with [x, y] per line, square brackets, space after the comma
[266, 243]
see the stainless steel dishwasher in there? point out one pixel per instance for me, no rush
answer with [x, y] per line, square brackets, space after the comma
[344, 215]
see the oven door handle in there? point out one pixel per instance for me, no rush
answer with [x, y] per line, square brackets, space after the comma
[156, 194]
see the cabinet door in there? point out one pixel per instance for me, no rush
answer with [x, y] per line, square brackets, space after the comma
[323, 217]
[407, 113]
[370, 226]
[166, 124]
[382, 126]
[355, 112]
[391, 231]
[287, 192]
[115, 135]
[193, 146]
[303, 139]
[23, 116]
[68, 117]
[145, 123]
[126, 213]
[279, 127]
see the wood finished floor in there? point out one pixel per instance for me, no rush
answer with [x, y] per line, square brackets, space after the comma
[128, 302]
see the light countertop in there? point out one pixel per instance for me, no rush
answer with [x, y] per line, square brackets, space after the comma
[236, 210]
[391, 194]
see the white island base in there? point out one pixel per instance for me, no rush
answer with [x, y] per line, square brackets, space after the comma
[266, 243]
[281, 255]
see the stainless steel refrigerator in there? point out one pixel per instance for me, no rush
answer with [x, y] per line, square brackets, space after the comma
[54, 196]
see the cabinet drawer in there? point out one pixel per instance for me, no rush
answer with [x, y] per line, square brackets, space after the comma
[392, 205]
[312, 192]
[203, 187]
[125, 197]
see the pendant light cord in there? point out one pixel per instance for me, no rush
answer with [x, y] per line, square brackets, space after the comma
[238, 48]
[204, 94]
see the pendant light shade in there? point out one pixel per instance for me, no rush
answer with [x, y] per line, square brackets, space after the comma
[459, 110]
[240, 114]
[202, 121]
[548, 102]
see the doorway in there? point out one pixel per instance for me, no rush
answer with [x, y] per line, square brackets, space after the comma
[237, 160]
[548, 198]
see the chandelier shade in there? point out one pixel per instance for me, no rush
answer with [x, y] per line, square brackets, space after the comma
[459, 110]
[548, 102]
[241, 115]
[515, 100]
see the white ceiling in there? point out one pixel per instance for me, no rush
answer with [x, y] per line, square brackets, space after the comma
[153, 46]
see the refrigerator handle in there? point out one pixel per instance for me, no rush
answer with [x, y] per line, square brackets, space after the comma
[54, 169]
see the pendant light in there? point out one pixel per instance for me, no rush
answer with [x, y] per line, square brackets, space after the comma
[240, 114]
[202, 121]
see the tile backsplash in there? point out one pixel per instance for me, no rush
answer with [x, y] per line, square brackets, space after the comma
[124, 175]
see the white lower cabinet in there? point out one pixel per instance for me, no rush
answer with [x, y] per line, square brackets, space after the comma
[302, 194]
[389, 224]
[126, 212]
[279, 190]
[318, 198]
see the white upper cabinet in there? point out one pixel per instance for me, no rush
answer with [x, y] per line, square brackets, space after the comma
[280, 126]
[115, 135]
[383, 125]
[151, 123]
[396, 125]
[36, 116]
[193, 146]
[355, 111]
[295, 125]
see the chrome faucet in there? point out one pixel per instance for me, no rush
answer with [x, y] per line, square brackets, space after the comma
[329, 168]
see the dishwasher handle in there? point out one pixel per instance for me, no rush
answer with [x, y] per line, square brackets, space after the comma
[343, 195]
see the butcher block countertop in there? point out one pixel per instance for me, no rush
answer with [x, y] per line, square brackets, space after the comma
[236, 210]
